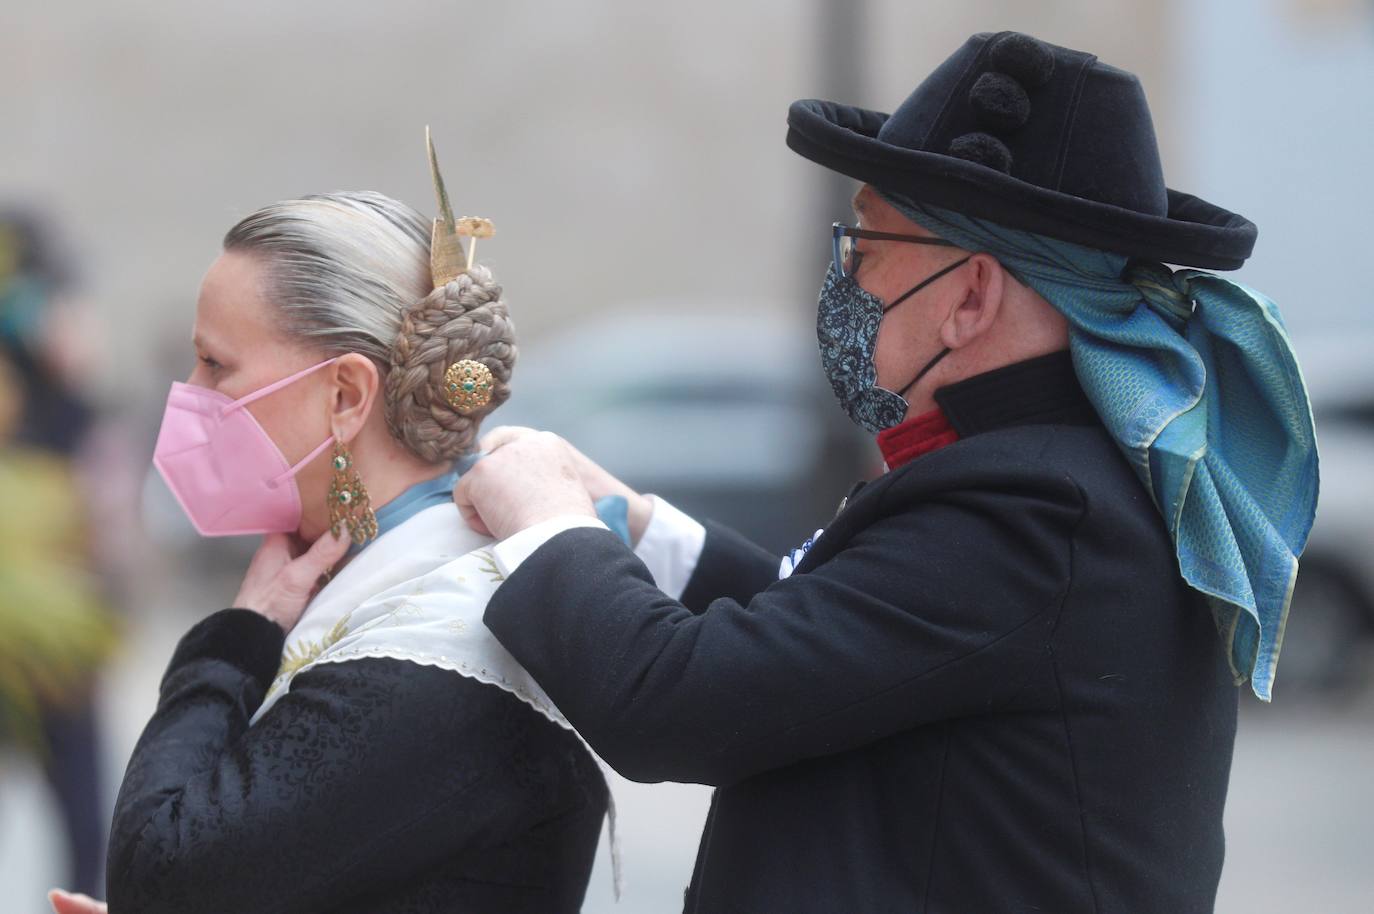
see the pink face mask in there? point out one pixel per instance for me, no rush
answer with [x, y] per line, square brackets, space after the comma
[225, 470]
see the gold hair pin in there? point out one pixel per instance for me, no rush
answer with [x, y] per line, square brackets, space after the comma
[447, 261]
[468, 386]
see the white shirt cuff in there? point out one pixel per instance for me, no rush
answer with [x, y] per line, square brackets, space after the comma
[671, 547]
[513, 550]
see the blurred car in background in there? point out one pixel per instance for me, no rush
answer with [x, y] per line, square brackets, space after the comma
[1328, 644]
[723, 411]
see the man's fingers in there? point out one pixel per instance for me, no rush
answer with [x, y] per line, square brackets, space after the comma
[503, 435]
[473, 519]
[462, 497]
[74, 903]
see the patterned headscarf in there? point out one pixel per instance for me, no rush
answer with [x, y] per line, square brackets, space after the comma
[1195, 379]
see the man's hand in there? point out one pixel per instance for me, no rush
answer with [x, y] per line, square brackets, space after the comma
[524, 480]
[595, 480]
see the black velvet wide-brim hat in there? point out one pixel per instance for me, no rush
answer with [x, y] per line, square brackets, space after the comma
[1031, 136]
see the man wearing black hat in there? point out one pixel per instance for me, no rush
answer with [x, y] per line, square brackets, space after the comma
[994, 681]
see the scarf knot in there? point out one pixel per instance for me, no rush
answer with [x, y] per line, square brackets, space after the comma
[1169, 294]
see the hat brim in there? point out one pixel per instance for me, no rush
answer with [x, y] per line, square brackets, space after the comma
[844, 138]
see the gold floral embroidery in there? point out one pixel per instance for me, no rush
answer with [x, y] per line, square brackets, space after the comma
[303, 652]
[489, 566]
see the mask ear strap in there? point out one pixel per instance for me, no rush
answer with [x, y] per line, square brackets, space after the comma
[943, 352]
[927, 281]
[275, 386]
[303, 461]
[924, 371]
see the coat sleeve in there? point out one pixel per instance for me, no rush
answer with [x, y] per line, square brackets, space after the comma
[929, 613]
[730, 566]
[364, 773]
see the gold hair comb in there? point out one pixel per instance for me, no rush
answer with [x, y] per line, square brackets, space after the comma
[447, 261]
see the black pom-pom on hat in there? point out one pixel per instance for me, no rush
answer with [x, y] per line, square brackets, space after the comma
[999, 102]
[982, 148]
[1028, 59]
[999, 98]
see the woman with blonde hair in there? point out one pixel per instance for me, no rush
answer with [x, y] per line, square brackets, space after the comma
[348, 737]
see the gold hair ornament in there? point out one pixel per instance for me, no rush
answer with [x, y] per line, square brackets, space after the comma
[468, 386]
[447, 260]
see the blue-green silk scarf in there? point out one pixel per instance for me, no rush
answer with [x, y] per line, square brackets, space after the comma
[1195, 378]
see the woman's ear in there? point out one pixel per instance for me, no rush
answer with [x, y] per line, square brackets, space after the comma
[984, 291]
[357, 384]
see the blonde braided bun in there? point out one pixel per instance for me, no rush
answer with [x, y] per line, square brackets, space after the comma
[350, 272]
[465, 319]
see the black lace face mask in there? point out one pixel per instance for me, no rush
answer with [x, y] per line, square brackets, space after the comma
[847, 321]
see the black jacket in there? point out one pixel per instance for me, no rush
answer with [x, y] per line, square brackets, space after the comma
[373, 785]
[984, 689]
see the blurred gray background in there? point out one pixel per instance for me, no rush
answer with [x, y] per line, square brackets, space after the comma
[654, 233]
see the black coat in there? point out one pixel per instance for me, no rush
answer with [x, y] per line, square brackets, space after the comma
[984, 689]
[372, 786]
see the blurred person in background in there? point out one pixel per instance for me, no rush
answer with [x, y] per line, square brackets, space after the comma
[349, 736]
[994, 681]
[57, 625]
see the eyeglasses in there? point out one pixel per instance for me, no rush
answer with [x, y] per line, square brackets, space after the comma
[847, 254]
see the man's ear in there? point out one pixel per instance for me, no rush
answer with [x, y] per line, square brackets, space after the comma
[357, 384]
[984, 290]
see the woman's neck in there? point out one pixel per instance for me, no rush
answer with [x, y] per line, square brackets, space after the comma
[387, 475]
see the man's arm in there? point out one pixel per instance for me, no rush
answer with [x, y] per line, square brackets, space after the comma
[532, 486]
[671, 547]
[688, 561]
[731, 566]
[937, 611]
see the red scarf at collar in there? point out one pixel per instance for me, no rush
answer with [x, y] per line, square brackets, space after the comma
[922, 434]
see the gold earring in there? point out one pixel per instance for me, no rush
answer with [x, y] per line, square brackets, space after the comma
[349, 504]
